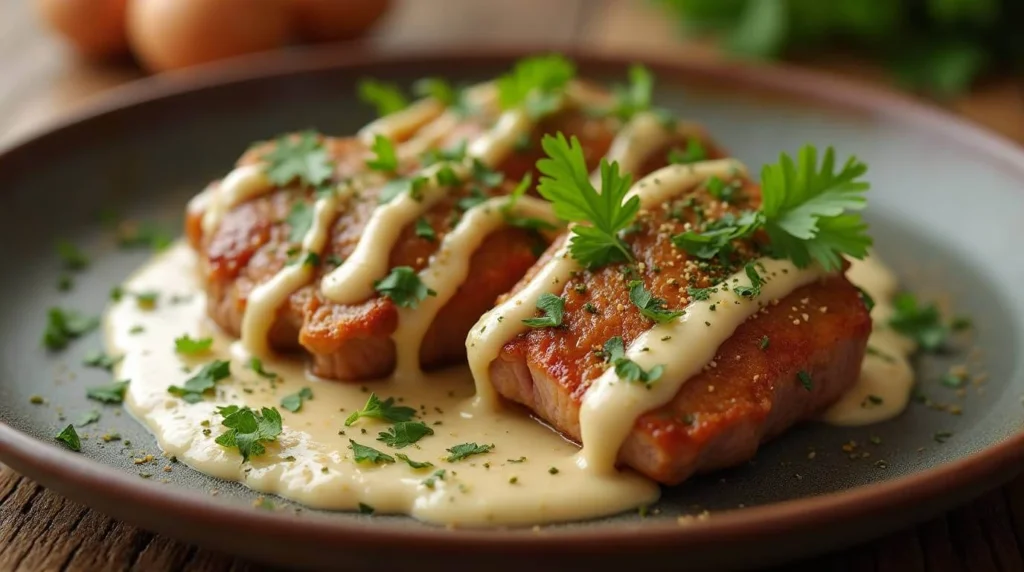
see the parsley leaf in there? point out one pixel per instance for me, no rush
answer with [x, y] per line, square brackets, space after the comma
[804, 212]
[294, 401]
[194, 387]
[508, 209]
[694, 153]
[386, 159]
[921, 323]
[435, 87]
[805, 380]
[301, 158]
[701, 294]
[395, 187]
[628, 370]
[404, 287]
[256, 364]
[386, 97]
[454, 154]
[69, 437]
[300, 220]
[414, 464]
[535, 83]
[553, 308]
[362, 453]
[804, 205]
[62, 326]
[431, 481]
[636, 97]
[754, 290]
[404, 433]
[385, 410]
[108, 393]
[249, 430]
[567, 185]
[186, 344]
[71, 256]
[88, 418]
[131, 234]
[101, 360]
[650, 307]
[461, 451]
[424, 230]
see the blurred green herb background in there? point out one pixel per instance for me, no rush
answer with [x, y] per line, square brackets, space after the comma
[937, 46]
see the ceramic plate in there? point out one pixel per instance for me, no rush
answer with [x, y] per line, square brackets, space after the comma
[945, 212]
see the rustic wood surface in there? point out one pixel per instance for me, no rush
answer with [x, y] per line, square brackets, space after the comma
[40, 530]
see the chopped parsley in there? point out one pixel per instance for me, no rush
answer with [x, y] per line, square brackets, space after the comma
[701, 294]
[921, 323]
[461, 451]
[651, 307]
[763, 344]
[186, 344]
[404, 287]
[718, 189]
[132, 234]
[404, 433]
[300, 220]
[694, 153]
[194, 387]
[364, 454]
[256, 364]
[536, 84]
[942, 436]
[566, 183]
[385, 410]
[71, 256]
[754, 290]
[804, 213]
[866, 298]
[635, 97]
[301, 158]
[109, 392]
[805, 380]
[385, 157]
[294, 401]
[626, 369]
[447, 177]
[553, 308]
[424, 230]
[414, 464]
[62, 326]
[69, 437]
[386, 97]
[88, 418]
[248, 430]
[395, 187]
[101, 360]
[436, 88]
[431, 481]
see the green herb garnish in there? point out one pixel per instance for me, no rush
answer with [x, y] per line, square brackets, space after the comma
[694, 153]
[437, 88]
[248, 430]
[404, 287]
[71, 256]
[553, 308]
[536, 84]
[635, 97]
[413, 464]
[364, 454]
[62, 326]
[805, 380]
[424, 230]
[108, 393]
[461, 451]
[566, 183]
[69, 437]
[300, 220]
[386, 159]
[651, 307]
[385, 410]
[754, 290]
[921, 323]
[625, 368]
[395, 187]
[194, 387]
[294, 401]
[386, 97]
[256, 364]
[404, 433]
[186, 344]
[301, 158]
[101, 360]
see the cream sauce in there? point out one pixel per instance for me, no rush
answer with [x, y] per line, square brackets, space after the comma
[400, 125]
[243, 183]
[886, 378]
[264, 300]
[641, 137]
[449, 268]
[311, 463]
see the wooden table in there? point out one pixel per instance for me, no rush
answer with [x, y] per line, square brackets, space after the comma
[39, 530]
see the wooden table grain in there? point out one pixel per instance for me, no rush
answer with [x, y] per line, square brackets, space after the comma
[40, 530]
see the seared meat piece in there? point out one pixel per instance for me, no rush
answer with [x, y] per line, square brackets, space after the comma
[752, 391]
[352, 341]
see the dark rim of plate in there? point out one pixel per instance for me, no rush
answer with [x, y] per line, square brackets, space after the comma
[29, 455]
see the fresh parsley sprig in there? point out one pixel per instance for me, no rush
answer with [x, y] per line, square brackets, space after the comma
[535, 84]
[650, 306]
[553, 307]
[806, 213]
[301, 158]
[248, 430]
[566, 183]
[626, 369]
[385, 410]
[385, 97]
[204, 381]
[385, 157]
[404, 433]
[404, 287]
[636, 96]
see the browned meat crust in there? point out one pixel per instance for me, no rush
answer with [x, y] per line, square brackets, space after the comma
[720, 416]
